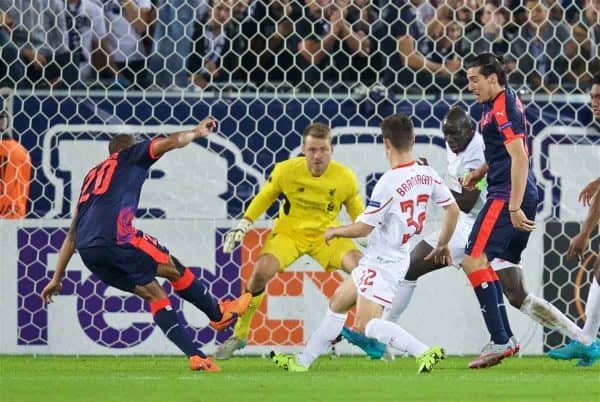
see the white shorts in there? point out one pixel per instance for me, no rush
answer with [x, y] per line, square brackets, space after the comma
[379, 281]
[459, 240]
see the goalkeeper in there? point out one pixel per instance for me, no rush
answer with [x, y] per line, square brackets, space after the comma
[313, 188]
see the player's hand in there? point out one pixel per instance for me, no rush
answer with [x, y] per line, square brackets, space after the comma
[51, 289]
[577, 247]
[330, 233]
[440, 255]
[236, 235]
[205, 127]
[471, 179]
[520, 221]
[586, 195]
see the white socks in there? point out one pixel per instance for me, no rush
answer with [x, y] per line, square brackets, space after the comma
[592, 311]
[395, 336]
[401, 301]
[550, 317]
[328, 330]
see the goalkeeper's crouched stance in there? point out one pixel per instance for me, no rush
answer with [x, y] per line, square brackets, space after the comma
[313, 188]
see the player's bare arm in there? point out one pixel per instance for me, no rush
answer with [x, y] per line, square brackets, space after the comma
[352, 231]
[181, 139]
[64, 256]
[470, 180]
[586, 195]
[519, 169]
[579, 243]
[441, 253]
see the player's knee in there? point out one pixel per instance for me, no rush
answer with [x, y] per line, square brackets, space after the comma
[150, 292]
[351, 260]
[515, 296]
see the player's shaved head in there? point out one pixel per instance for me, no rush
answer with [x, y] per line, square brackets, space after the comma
[398, 129]
[317, 130]
[120, 142]
[457, 129]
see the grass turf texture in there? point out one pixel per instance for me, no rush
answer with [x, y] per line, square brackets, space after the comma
[66, 379]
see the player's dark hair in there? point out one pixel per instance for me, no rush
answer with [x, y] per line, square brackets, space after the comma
[317, 130]
[596, 79]
[120, 142]
[489, 64]
[398, 129]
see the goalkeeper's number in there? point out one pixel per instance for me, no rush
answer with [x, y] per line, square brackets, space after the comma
[236, 235]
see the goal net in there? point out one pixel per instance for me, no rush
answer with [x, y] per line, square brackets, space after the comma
[263, 94]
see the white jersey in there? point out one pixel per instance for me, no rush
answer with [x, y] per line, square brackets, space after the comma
[398, 207]
[124, 42]
[464, 162]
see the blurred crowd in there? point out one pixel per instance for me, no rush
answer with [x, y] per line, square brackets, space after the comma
[307, 45]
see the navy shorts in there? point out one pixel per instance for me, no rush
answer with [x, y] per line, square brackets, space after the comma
[128, 265]
[494, 234]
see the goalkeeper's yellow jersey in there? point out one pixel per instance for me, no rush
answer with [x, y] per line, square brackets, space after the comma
[310, 204]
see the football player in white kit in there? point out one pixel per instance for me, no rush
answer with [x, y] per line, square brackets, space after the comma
[465, 153]
[396, 212]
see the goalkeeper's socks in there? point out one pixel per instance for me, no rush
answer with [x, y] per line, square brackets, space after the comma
[484, 285]
[166, 318]
[242, 326]
[592, 310]
[501, 303]
[394, 335]
[192, 290]
[322, 338]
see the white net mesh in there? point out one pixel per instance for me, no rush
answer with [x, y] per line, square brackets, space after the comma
[80, 71]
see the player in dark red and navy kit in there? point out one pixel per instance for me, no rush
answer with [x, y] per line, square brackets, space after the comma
[124, 257]
[502, 228]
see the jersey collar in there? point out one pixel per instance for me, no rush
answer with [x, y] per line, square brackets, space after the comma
[401, 165]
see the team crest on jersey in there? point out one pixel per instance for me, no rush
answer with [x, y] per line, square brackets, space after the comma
[332, 192]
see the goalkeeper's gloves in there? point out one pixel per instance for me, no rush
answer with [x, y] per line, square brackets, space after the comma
[236, 235]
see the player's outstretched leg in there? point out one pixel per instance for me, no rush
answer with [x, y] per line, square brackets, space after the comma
[372, 347]
[166, 319]
[266, 268]
[418, 267]
[587, 353]
[221, 314]
[397, 337]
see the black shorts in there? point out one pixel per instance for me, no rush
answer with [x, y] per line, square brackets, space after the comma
[126, 266]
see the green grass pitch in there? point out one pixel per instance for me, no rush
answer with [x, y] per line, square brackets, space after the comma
[123, 379]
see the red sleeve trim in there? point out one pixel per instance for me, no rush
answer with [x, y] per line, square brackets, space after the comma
[445, 201]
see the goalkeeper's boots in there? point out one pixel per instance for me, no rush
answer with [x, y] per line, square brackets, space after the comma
[428, 359]
[203, 364]
[372, 347]
[231, 309]
[225, 350]
[287, 362]
[493, 354]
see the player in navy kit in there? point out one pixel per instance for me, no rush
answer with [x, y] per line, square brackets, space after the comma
[502, 227]
[128, 259]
